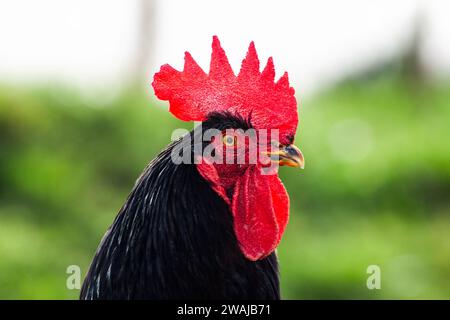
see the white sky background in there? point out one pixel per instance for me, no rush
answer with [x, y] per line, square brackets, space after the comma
[91, 43]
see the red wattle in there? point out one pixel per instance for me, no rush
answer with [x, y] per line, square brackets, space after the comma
[260, 208]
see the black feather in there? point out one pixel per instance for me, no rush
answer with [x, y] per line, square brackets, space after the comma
[174, 239]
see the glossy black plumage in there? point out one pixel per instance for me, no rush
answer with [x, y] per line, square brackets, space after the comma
[174, 239]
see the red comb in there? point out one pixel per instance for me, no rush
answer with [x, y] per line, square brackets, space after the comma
[193, 94]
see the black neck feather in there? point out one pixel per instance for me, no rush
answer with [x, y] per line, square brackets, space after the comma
[174, 239]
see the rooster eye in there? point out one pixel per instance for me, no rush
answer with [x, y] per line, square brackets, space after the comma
[229, 140]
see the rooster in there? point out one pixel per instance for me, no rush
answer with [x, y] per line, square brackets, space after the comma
[202, 228]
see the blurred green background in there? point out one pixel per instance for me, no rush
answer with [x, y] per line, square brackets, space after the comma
[375, 190]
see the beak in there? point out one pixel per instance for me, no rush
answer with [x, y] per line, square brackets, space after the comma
[290, 156]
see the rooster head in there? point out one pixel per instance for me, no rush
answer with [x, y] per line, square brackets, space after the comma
[254, 120]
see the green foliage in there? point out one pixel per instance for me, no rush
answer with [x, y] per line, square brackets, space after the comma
[374, 191]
